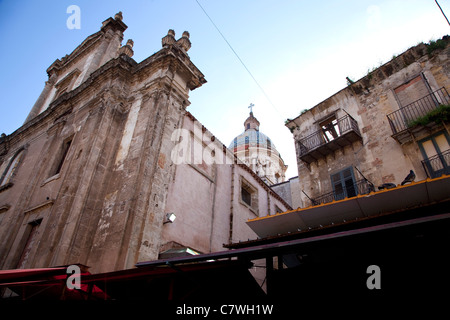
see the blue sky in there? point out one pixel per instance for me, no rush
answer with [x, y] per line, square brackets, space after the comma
[299, 51]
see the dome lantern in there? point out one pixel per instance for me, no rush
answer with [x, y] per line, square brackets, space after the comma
[258, 152]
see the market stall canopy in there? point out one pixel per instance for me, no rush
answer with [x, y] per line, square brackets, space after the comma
[410, 196]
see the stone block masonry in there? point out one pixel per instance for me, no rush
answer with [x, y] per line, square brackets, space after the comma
[105, 206]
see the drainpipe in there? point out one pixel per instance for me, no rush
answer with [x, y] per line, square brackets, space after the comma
[213, 206]
[231, 204]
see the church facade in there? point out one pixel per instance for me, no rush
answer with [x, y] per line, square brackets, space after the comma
[92, 176]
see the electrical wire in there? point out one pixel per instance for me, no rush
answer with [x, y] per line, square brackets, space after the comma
[240, 60]
[442, 12]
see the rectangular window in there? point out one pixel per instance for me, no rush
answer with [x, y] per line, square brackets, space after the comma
[10, 170]
[246, 196]
[61, 158]
[249, 195]
[344, 184]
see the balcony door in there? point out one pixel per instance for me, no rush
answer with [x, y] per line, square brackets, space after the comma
[412, 91]
[436, 154]
[344, 184]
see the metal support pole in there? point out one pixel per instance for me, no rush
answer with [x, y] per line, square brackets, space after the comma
[269, 276]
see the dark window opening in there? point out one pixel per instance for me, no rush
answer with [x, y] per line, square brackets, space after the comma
[62, 157]
[330, 129]
[249, 196]
[7, 176]
[246, 196]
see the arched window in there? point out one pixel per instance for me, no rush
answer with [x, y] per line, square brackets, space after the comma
[11, 168]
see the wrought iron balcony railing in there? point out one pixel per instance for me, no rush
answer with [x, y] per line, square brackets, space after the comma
[320, 144]
[402, 119]
[437, 165]
[359, 187]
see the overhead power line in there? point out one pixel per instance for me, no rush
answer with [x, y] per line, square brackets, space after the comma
[442, 11]
[240, 60]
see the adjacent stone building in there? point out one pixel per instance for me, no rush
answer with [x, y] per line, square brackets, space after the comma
[373, 132]
[93, 176]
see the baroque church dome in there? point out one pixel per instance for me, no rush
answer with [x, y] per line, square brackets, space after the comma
[258, 152]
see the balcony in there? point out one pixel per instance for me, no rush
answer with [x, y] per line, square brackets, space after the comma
[335, 135]
[403, 121]
[437, 165]
[359, 187]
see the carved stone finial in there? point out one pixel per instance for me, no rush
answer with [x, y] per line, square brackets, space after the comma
[118, 16]
[169, 39]
[184, 41]
[128, 48]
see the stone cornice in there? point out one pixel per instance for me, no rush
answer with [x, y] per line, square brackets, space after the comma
[123, 65]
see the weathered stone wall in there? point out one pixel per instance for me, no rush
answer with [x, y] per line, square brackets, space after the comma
[105, 207]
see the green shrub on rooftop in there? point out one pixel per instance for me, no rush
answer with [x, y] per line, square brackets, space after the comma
[437, 44]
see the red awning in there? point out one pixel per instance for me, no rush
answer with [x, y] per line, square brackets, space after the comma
[150, 283]
[15, 274]
[43, 283]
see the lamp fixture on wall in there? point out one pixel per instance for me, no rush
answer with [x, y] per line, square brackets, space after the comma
[170, 217]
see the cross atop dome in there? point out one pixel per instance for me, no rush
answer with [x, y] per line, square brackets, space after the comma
[251, 108]
[251, 122]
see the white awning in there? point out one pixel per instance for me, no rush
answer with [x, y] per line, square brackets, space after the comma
[413, 195]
